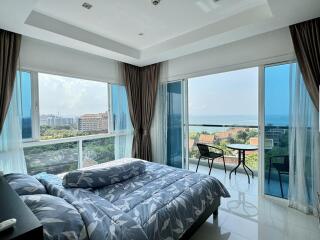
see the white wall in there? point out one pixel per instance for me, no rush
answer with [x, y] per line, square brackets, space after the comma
[275, 46]
[267, 48]
[45, 57]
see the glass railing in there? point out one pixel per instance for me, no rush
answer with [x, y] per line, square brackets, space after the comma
[63, 155]
[220, 136]
[276, 155]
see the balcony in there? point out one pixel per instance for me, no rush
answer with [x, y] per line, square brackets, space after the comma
[67, 154]
[220, 136]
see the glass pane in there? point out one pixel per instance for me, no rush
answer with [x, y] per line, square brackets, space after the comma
[98, 151]
[26, 103]
[277, 90]
[71, 107]
[54, 158]
[120, 110]
[228, 103]
[121, 121]
[228, 98]
[220, 137]
[175, 123]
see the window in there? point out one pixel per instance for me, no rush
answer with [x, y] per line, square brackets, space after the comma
[223, 109]
[175, 124]
[70, 127]
[71, 107]
[277, 91]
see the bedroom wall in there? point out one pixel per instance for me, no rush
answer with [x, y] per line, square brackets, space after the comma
[45, 57]
[275, 46]
[271, 47]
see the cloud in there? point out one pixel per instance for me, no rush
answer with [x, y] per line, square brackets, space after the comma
[71, 96]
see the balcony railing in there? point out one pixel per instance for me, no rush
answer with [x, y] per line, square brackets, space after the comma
[220, 136]
[66, 154]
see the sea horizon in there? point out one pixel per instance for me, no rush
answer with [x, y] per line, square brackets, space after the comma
[234, 120]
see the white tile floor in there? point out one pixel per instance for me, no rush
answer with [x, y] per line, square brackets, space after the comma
[246, 216]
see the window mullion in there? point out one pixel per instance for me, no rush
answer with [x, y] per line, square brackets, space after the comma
[35, 107]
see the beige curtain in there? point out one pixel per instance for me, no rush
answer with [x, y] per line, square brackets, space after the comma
[306, 40]
[141, 85]
[9, 53]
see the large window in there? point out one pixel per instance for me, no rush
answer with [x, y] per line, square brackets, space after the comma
[71, 107]
[223, 109]
[70, 123]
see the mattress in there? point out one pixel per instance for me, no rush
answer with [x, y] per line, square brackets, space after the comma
[162, 203]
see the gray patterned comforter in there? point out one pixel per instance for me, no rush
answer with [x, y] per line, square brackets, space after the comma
[135, 200]
[161, 203]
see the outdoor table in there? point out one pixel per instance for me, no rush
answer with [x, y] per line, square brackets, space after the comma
[242, 148]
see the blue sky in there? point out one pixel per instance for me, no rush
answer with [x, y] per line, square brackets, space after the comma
[229, 93]
[277, 89]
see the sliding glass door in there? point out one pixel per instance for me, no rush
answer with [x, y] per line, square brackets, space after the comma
[175, 108]
[276, 128]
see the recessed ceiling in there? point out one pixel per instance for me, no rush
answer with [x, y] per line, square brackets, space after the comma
[123, 20]
[137, 32]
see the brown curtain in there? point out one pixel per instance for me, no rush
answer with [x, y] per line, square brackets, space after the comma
[9, 53]
[306, 41]
[141, 85]
[149, 77]
[133, 86]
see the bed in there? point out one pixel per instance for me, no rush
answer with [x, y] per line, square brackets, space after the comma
[141, 200]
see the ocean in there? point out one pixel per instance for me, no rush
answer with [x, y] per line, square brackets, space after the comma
[243, 120]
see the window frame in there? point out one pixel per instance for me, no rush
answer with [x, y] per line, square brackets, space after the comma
[35, 133]
[35, 113]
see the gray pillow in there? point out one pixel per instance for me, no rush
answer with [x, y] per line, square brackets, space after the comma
[117, 171]
[60, 219]
[25, 184]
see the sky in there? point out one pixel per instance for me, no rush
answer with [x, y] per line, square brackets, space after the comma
[277, 78]
[70, 96]
[229, 93]
[223, 94]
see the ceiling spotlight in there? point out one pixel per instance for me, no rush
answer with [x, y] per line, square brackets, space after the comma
[87, 5]
[155, 2]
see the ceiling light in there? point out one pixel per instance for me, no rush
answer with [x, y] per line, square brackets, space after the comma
[141, 34]
[155, 2]
[87, 5]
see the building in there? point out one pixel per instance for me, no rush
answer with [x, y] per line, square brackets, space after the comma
[254, 141]
[93, 122]
[55, 121]
[222, 135]
[206, 139]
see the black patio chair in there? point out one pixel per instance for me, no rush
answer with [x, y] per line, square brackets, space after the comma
[205, 153]
[282, 167]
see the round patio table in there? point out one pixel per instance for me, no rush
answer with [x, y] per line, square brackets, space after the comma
[242, 148]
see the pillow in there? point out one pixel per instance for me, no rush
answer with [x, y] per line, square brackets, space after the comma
[25, 184]
[60, 219]
[113, 172]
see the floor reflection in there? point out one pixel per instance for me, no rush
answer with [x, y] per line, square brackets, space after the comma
[246, 216]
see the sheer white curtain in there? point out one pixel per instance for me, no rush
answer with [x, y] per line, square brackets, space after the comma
[121, 122]
[304, 147]
[159, 126]
[11, 149]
